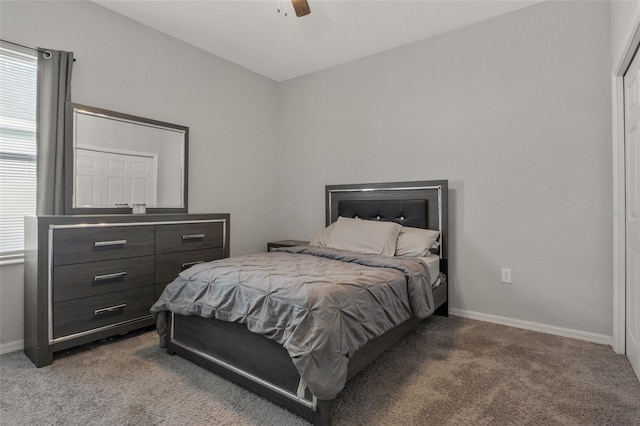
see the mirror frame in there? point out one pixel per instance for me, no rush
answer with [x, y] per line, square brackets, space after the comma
[69, 158]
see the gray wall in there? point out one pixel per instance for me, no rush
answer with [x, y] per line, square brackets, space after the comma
[623, 16]
[516, 113]
[124, 66]
[11, 304]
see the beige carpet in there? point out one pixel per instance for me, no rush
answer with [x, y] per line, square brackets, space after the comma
[450, 371]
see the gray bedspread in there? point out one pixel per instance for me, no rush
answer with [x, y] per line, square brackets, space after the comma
[322, 305]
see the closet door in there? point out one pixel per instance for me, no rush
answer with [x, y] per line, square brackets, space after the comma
[632, 221]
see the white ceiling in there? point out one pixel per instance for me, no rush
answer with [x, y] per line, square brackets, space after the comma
[254, 35]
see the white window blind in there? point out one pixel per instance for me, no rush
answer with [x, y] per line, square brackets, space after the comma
[18, 83]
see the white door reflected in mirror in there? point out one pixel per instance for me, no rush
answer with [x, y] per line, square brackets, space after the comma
[105, 178]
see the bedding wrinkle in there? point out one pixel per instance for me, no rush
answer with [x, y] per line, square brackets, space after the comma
[321, 304]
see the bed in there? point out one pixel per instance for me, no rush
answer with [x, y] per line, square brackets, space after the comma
[224, 327]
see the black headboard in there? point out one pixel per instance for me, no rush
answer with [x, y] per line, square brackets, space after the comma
[405, 212]
[420, 204]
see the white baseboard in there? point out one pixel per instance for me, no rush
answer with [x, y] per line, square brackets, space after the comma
[5, 348]
[533, 326]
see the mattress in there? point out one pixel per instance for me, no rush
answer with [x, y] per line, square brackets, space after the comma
[433, 265]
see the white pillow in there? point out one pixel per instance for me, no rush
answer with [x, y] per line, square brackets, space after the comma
[364, 236]
[320, 239]
[416, 242]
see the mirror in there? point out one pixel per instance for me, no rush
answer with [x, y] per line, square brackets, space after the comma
[119, 160]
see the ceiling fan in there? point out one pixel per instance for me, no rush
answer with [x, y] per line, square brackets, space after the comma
[301, 7]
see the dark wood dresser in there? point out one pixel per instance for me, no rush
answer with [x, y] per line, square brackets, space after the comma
[91, 277]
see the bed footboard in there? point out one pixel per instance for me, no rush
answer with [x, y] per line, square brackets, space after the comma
[247, 359]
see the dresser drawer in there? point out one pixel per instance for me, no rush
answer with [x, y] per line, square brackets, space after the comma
[93, 278]
[75, 316]
[168, 266]
[190, 236]
[79, 245]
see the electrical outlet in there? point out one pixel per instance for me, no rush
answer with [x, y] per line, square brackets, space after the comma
[506, 276]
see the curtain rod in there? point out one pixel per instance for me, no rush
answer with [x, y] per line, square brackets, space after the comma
[23, 46]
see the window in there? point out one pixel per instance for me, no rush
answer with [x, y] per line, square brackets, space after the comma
[18, 82]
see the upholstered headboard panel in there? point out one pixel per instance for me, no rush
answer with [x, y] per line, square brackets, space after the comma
[405, 212]
[418, 202]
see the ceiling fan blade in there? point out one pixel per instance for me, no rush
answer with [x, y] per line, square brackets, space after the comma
[301, 7]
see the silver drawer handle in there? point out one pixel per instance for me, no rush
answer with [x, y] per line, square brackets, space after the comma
[193, 237]
[110, 243]
[109, 309]
[109, 276]
[189, 264]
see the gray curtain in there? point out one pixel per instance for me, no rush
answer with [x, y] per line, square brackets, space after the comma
[54, 91]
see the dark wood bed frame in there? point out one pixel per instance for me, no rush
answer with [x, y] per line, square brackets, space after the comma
[264, 366]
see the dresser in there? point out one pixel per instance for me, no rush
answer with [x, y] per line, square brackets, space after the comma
[91, 277]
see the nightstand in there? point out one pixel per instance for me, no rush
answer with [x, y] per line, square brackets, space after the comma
[285, 243]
